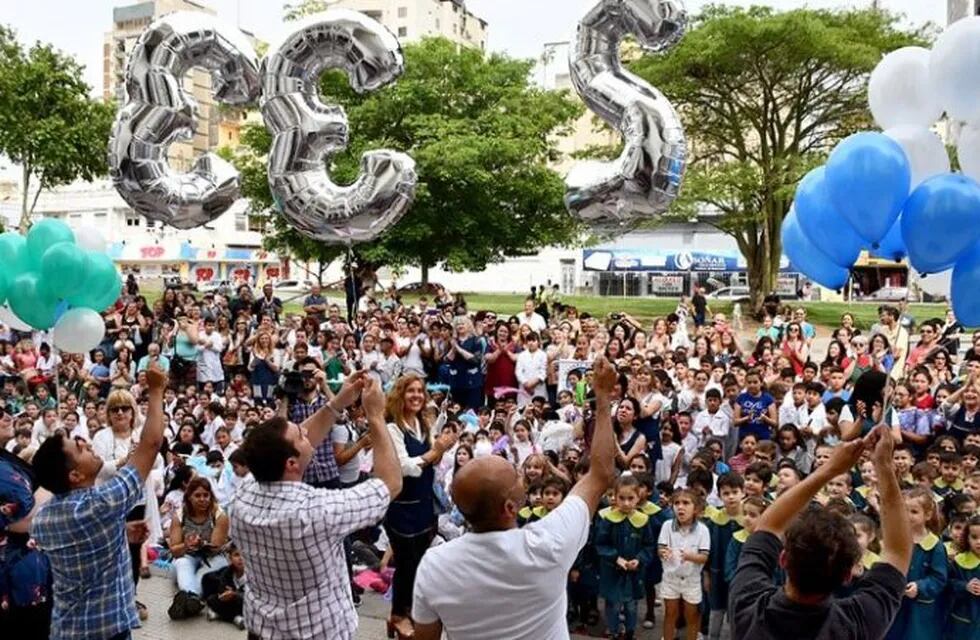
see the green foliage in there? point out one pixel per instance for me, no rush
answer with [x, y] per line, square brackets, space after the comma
[48, 123]
[764, 96]
[482, 138]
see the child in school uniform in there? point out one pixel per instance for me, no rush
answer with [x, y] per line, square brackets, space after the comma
[963, 622]
[949, 480]
[752, 509]
[722, 524]
[920, 616]
[654, 568]
[867, 535]
[225, 590]
[684, 546]
[553, 491]
[625, 545]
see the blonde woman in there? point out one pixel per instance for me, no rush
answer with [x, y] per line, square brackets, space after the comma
[114, 446]
[411, 522]
[263, 367]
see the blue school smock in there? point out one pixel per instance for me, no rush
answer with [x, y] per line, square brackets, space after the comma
[734, 552]
[655, 568]
[963, 622]
[922, 618]
[622, 536]
[587, 565]
[721, 527]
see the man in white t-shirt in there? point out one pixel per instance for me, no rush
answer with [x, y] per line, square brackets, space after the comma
[522, 572]
[531, 318]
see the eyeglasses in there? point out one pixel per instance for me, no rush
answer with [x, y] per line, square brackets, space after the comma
[120, 409]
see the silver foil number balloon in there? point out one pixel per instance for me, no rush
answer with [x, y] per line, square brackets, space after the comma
[160, 111]
[307, 132]
[645, 179]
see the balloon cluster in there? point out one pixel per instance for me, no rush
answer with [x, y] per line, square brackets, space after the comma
[893, 193]
[55, 277]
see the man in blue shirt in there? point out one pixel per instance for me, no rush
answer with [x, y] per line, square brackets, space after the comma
[153, 356]
[83, 528]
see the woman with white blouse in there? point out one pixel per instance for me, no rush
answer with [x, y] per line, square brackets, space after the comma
[411, 522]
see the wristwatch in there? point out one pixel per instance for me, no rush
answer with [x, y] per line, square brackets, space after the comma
[336, 414]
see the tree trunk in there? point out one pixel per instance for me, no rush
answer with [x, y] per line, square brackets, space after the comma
[425, 273]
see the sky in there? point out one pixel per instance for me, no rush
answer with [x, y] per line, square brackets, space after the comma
[518, 27]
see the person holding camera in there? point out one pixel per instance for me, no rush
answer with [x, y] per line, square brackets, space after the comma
[312, 396]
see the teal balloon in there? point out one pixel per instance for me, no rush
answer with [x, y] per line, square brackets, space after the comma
[101, 283]
[43, 235]
[64, 269]
[13, 253]
[28, 300]
[4, 286]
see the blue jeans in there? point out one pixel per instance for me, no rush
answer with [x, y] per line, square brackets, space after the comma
[612, 615]
[188, 571]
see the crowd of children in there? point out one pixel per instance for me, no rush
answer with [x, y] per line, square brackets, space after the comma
[709, 433]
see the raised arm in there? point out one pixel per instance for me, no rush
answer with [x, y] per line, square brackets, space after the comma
[603, 454]
[152, 437]
[319, 425]
[896, 543]
[777, 518]
[386, 466]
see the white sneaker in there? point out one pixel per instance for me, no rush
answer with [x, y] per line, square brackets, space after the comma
[211, 615]
[648, 624]
[239, 622]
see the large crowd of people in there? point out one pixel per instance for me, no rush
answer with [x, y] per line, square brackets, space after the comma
[502, 476]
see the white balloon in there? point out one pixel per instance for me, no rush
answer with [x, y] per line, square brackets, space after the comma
[954, 67]
[968, 149]
[79, 330]
[90, 238]
[925, 151]
[900, 92]
[10, 319]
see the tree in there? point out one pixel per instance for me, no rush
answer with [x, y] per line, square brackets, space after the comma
[48, 123]
[764, 96]
[482, 138]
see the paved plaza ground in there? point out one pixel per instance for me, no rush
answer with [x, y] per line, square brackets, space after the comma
[158, 591]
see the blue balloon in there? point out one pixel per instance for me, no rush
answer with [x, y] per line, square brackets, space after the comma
[813, 264]
[892, 246]
[868, 178]
[966, 285]
[821, 224]
[940, 221]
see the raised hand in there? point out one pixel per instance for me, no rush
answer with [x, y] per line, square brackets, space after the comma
[353, 386]
[156, 378]
[604, 376]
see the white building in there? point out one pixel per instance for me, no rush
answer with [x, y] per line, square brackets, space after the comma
[230, 248]
[412, 20]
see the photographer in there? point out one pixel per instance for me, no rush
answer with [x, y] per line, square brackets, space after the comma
[312, 396]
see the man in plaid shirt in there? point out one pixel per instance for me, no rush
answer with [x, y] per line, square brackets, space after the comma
[84, 532]
[322, 471]
[291, 533]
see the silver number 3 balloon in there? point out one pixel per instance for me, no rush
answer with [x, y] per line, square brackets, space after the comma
[307, 132]
[645, 179]
[160, 111]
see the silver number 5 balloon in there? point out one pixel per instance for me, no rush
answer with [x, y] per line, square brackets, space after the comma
[646, 178]
[160, 111]
[307, 132]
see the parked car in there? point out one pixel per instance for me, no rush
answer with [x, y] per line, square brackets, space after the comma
[292, 288]
[418, 288]
[215, 286]
[735, 294]
[175, 282]
[888, 294]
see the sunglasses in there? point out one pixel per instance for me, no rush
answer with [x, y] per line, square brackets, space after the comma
[120, 409]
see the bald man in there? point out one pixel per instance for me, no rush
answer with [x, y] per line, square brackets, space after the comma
[463, 586]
